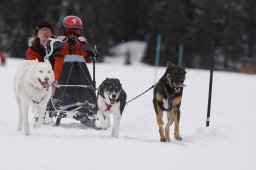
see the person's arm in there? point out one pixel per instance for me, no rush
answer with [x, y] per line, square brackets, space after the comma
[32, 55]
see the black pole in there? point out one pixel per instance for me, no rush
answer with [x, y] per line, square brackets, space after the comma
[94, 61]
[94, 81]
[210, 85]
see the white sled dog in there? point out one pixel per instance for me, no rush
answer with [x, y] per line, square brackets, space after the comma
[32, 86]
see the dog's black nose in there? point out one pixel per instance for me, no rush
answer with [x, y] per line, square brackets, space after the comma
[180, 81]
[46, 78]
[113, 96]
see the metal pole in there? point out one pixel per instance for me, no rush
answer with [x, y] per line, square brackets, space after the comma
[94, 81]
[180, 54]
[157, 57]
[210, 85]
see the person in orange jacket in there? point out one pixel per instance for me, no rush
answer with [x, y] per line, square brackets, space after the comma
[36, 50]
[73, 43]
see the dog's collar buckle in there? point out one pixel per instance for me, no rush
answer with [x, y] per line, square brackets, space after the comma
[177, 90]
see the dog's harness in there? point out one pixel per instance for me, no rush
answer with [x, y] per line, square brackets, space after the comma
[170, 98]
[108, 107]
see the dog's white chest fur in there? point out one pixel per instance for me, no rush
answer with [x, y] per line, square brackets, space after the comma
[165, 104]
[105, 105]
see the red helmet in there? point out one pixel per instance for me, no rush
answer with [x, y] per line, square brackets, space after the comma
[72, 22]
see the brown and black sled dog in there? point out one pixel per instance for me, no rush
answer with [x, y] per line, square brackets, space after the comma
[167, 97]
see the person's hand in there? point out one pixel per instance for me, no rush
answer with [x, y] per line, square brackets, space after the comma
[91, 49]
[54, 45]
[62, 38]
[81, 40]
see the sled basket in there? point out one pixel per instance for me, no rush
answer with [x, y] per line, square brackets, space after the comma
[74, 95]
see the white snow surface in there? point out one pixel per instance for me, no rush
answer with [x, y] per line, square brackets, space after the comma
[227, 144]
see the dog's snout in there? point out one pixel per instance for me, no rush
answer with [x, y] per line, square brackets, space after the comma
[46, 78]
[180, 81]
[113, 96]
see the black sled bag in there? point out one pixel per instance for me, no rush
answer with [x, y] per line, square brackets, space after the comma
[75, 90]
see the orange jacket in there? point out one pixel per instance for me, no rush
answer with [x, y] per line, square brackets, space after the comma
[59, 56]
[36, 50]
[32, 55]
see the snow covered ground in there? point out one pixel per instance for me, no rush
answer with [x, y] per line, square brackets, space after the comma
[228, 144]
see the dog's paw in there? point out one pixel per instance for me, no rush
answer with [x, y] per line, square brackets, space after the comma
[19, 128]
[162, 140]
[103, 126]
[114, 134]
[48, 121]
[178, 138]
[37, 125]
[26, 132]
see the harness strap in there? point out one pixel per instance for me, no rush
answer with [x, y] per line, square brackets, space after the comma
[108, 107]
[169, 99]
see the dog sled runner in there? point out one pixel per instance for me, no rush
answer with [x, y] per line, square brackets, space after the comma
[74, 95]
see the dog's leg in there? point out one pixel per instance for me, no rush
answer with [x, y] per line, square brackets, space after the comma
[159, 118]
[160, 122]
[115, 130]
[170, 117]
[176, 123]
[107, 119]
[41, 110]
[176, 108]
[101, 118]
[48, 118]
[25, 108]
[20, 117]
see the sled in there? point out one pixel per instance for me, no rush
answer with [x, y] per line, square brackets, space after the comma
[74, 95]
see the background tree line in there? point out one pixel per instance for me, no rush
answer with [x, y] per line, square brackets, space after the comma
[192, 24]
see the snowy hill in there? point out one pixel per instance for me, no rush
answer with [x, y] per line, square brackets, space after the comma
[228, 144]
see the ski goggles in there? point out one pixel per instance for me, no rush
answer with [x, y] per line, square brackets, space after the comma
[72, 32]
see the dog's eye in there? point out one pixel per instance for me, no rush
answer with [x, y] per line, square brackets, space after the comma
[183, 72]
[49, 72]
[41, 71]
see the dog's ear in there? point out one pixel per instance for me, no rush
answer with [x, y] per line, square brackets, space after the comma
[170, 64]
[102, 85]
[183, 65]
[119, 82]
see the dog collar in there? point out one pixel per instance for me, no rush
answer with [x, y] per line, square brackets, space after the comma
[108, 107]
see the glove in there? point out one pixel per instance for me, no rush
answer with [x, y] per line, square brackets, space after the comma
[56, 45]
[62, 38]
[90, 48]
[81, 40]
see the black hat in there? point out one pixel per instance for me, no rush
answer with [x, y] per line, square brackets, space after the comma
[43, 24]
